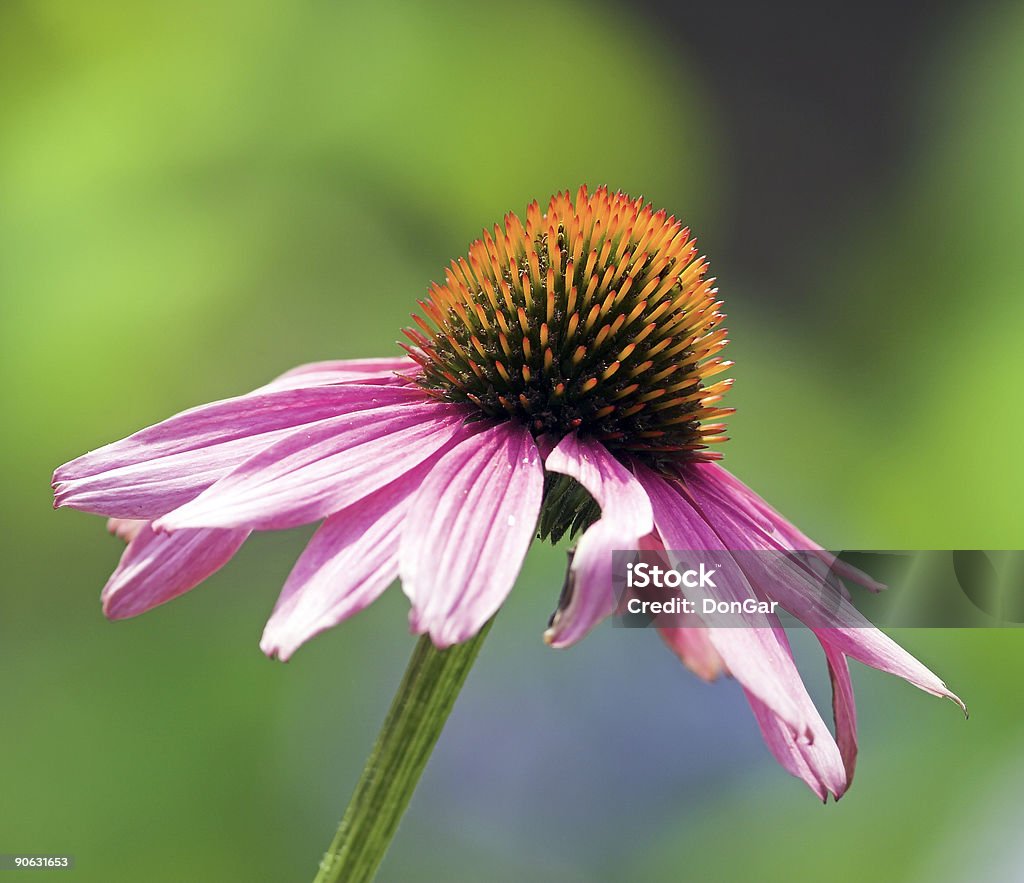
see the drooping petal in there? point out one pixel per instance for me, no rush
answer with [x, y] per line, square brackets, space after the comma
[164, 466]
[817, 760]
[752, 652]
[622, 498]
[626, 516]
[588, 596]
[468, 530]
[156, 567]
[829, 614]
[720, 482]
[349, 562]
[322, 468]
[844, 709]
[384, 371]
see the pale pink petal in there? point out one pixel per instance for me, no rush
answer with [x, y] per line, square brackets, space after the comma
[156, 567]
[817, 760]
[350, 560]
[164, 466]
[833, 618]
[390, 370]
[622, 498]
[322, 468]
[844, 709]
[752, 653]
[626, 516]
[468, 530]
[588, 596]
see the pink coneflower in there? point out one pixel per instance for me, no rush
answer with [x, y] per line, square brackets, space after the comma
[557, 383]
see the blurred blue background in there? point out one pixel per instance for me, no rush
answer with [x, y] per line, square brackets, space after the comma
[194, 197]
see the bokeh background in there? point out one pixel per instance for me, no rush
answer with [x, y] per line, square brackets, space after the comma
[196, 196]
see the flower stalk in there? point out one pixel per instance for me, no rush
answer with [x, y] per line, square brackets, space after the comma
[418, 713]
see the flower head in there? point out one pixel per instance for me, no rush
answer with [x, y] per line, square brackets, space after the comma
[558, 381]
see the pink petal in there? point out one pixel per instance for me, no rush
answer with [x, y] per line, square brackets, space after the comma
[322, 468]
[468, 530]
[753, 653]
[156, 568]
[588, 596]
[626, 516]
[622, 498]
[833, 618]
[344, 371]
[723, 484]
[349, 562]
[844, 709]
[164, 466]
[816, 760]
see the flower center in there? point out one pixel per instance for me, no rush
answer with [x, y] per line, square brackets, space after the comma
[594, 317]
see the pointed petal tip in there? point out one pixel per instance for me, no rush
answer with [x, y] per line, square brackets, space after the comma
[275, 649]
[551, 638]
[115, 610]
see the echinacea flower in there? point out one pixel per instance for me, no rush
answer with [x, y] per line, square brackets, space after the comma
[557, 383]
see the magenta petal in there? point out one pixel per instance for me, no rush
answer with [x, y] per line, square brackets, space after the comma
[844, 709]
[164, 466]
[589, 596]
[349, 562]
[817, 759]
[344, 371]
[753, 653]
[834, 619]
[468, 530]
[626, 516]
[321, 469]
[156, 567]
[721, 483]
[816, 762]
[622, 498]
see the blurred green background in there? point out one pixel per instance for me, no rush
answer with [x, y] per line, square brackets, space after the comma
[194, 197]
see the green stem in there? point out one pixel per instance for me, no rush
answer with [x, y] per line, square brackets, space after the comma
[418, 713]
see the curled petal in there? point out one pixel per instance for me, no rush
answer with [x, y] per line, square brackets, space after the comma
[622, 498]
[588, 596]
[626, 517]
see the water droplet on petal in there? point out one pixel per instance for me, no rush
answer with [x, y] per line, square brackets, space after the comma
[511, 521]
